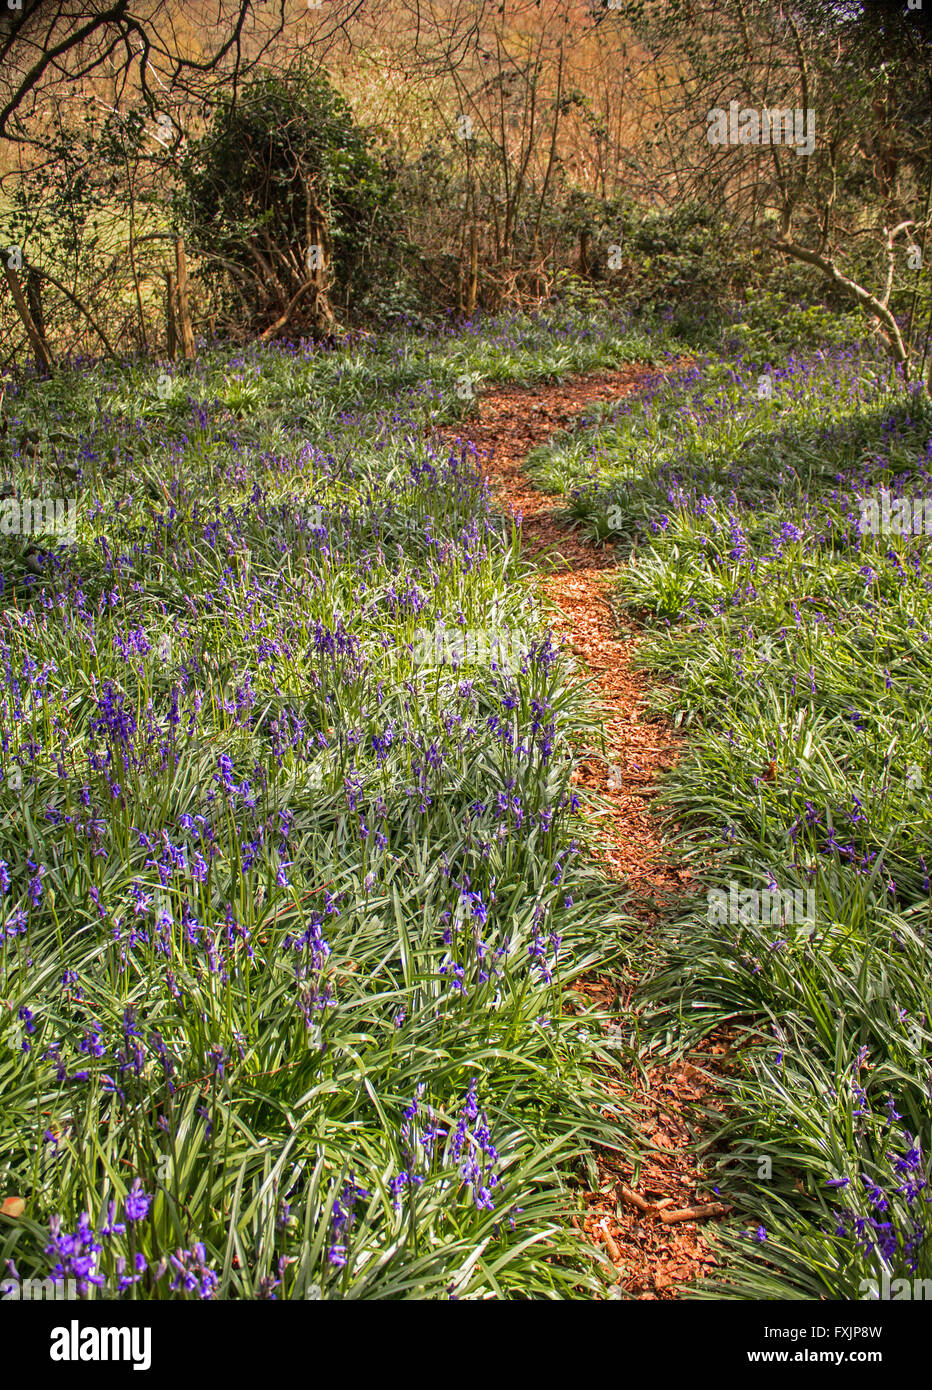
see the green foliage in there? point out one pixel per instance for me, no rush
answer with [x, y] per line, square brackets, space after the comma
[283, 164]
[678, 265]
[772, 327]
[684, 254]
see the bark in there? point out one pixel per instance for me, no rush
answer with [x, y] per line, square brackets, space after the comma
[186, 332]
[473, 285]
[171, 331]
[40, 347]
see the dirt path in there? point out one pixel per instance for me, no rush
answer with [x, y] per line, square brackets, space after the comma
[653, 1256]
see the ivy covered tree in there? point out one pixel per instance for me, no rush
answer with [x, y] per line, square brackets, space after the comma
[287, 204]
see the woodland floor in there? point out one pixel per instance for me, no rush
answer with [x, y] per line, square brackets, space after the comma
[646, 1220]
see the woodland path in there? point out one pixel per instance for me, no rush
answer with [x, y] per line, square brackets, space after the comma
[629, 1214]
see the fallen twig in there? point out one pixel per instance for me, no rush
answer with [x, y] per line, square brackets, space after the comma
[636, 1200]
[694, 1213]
[661, 1208]
[613, 1249]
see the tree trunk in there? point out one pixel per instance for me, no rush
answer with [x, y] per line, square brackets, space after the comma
[323, 321]
[34, 298]
[585, 266]
[171, 331]
[186, 332]
[44, 360]
[473, 290]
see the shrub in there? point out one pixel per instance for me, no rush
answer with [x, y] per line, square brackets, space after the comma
[287, 204]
